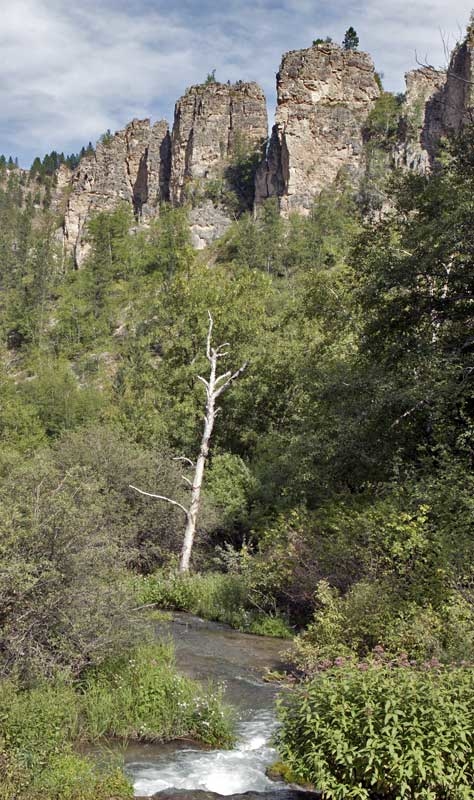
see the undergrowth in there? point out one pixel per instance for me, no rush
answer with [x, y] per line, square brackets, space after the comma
[377, 732]
[140, 697]
[222, 597]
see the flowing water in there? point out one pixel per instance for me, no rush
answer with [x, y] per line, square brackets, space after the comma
[210, 651]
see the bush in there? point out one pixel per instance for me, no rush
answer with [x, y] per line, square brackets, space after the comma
[223, 597]
[142, 697]
[371, 615]
[63, 600]
[136, 697]
[382, 733]
[37, 731]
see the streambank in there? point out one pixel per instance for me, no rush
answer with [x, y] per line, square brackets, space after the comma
[211, 651]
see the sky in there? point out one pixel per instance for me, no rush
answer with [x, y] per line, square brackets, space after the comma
[72, 70]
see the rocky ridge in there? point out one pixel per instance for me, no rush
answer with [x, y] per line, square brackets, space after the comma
[325, 95]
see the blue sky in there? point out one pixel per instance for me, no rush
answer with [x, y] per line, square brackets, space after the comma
[70, 72]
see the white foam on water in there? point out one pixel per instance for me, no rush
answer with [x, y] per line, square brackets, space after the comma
[223, 771]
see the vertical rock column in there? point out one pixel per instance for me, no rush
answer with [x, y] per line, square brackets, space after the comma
[324, 95]
[211, 122]
[132, 166]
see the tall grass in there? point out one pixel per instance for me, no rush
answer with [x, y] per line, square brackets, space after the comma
[140, 697]
[223, 597]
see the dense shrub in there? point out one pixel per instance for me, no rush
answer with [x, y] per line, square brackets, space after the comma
[371, 615]
[143, 697]
[223, 597]
[382, 733]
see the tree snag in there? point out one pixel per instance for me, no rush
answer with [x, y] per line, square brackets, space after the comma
[215, 385]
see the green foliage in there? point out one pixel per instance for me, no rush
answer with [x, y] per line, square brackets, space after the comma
[382, 125]
[210, 77]
[63, 603]
[317, 41]
[351, 40]
[37, 731]
[228, 598]
[138, 696]
[240, 174]
[372, 616]
[106, 138]
[382, 733]
[142, 697]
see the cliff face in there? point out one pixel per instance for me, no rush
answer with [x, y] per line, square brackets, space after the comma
[144, 165]
[209, 123]
[437, 104]
[421, 121]
[324, 95]
[131, 166]
[452, 104]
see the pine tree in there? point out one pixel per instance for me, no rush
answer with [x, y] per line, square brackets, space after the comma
[351, 40]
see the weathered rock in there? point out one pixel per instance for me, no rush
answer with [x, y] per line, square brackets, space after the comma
[437, 104]
[324, 95]
[207, 223]
[132, 166]
[210, 122]
[451, 105]
[421, 115]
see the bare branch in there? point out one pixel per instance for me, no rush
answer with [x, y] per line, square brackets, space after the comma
[209, 336]
[203, 380]
[160, 497]
[232, 378]
[184, 458]
[186, 480]
[223, 377]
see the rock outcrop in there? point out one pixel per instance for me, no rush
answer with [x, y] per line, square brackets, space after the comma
[324, 95]
[210, 122]
[421, 121]
[437, 104]
[144, 165]
[132, 165]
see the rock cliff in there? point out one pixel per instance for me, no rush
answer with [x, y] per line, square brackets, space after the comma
[437, 104]
[132, 165]
[210, 122]
[322, 132]
[421, 120]
[324, 95]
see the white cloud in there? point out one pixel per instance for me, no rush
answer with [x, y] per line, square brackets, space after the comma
[69, 72]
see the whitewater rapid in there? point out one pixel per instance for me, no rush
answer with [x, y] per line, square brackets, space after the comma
[226, 772]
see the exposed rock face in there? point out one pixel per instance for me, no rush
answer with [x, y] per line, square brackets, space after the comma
[437, 104]
[207, 223]
[324, 95]
[210, 121]
[133, 166]
[452, 103]
[421, 109]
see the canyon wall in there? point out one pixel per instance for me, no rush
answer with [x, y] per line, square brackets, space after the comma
[131, 166]
[324, 95]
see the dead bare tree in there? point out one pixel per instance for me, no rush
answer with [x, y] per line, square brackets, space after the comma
[215, 385]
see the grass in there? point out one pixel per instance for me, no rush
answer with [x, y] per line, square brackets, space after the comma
[141, 697]
[222, 597]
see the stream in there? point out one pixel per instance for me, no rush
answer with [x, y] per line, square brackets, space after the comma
[211, 651]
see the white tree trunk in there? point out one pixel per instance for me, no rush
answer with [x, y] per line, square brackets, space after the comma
[214, 388]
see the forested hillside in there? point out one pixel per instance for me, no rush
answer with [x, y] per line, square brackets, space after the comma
[338, 494]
